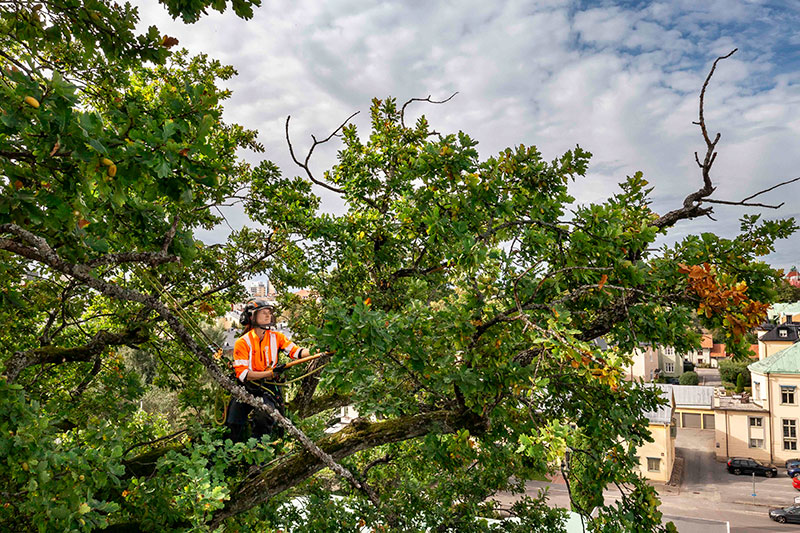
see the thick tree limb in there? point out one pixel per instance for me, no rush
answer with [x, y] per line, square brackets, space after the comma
[132, 336]
[308, 385]
[318, 404]
[292, 470]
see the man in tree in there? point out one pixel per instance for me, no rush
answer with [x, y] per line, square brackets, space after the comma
[256, 364]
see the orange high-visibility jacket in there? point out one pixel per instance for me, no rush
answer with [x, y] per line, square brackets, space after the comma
[250, 353]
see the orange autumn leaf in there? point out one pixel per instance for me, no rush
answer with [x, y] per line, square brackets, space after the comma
[168, 42]
[602, 281]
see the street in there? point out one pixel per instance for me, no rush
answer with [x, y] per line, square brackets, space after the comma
[710, 500]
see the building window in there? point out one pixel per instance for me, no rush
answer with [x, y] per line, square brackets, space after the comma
[787, 394]
[669, 367]
[789, 434]
[756, 422]
[757, 390]
[783, 333]
[756, 443]
[653, 464]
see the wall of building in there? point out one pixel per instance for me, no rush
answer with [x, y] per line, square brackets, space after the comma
[765, 349]
[663, 448]
[785, 447]
[670, 361]
[703, 414]
[758, 388]
[645, 361]
[733, 434]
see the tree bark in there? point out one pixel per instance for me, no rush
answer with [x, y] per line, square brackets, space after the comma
[360, 435]
[134, 335]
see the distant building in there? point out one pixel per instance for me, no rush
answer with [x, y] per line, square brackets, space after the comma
[779, 337]
[651, 361]
[764, 427]
[793, 277]
[258, 291]
[657, 458]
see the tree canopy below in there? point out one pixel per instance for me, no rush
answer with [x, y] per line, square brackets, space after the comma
[478, 320]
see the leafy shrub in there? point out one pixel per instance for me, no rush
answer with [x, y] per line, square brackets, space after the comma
[690, 378]
[740, 384]
[729, 369]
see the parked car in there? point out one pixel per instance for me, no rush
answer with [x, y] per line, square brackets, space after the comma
[796, 482]
[793, 467]
[787, 514]
[746, 465]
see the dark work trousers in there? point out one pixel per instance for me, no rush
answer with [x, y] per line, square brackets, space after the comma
[261, 423]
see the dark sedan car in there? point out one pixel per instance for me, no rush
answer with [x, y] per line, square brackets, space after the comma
[787, 514]
[793, 467]
[746, 465]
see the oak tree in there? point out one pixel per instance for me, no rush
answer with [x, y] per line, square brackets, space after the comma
[477, 319]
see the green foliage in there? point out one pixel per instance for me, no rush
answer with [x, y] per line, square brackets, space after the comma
[787, 293]
[689, 378]
[729, 370]
[452, 283]
[740, 383]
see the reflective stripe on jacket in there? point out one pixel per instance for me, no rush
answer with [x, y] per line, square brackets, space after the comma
[250, 353]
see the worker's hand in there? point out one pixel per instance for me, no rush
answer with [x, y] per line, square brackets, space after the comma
[279, 368]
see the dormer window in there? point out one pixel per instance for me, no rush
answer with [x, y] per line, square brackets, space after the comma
[783, 333]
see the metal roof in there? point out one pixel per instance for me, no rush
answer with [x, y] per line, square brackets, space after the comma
[663, 413]
[691, 396]
[784, 309]
[787, 361]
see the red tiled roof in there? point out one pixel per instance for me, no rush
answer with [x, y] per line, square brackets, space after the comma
[718, 350]
[707, 341]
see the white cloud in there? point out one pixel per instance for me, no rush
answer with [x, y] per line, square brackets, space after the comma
[620, 81]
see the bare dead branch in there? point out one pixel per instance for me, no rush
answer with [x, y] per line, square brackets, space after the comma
[692, 204]
[304, 164]
[428, 99]
[743, 203]
[787, 182]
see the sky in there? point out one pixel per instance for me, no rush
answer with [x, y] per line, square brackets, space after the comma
[619, 78]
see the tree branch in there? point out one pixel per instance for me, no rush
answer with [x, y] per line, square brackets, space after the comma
[692, 203]
[291, 470]
[134, 335]
[428, 99]
[304, 164]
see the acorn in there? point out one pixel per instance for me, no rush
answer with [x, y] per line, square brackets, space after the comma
[106, 162]
[112, 170]
[31, 101]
